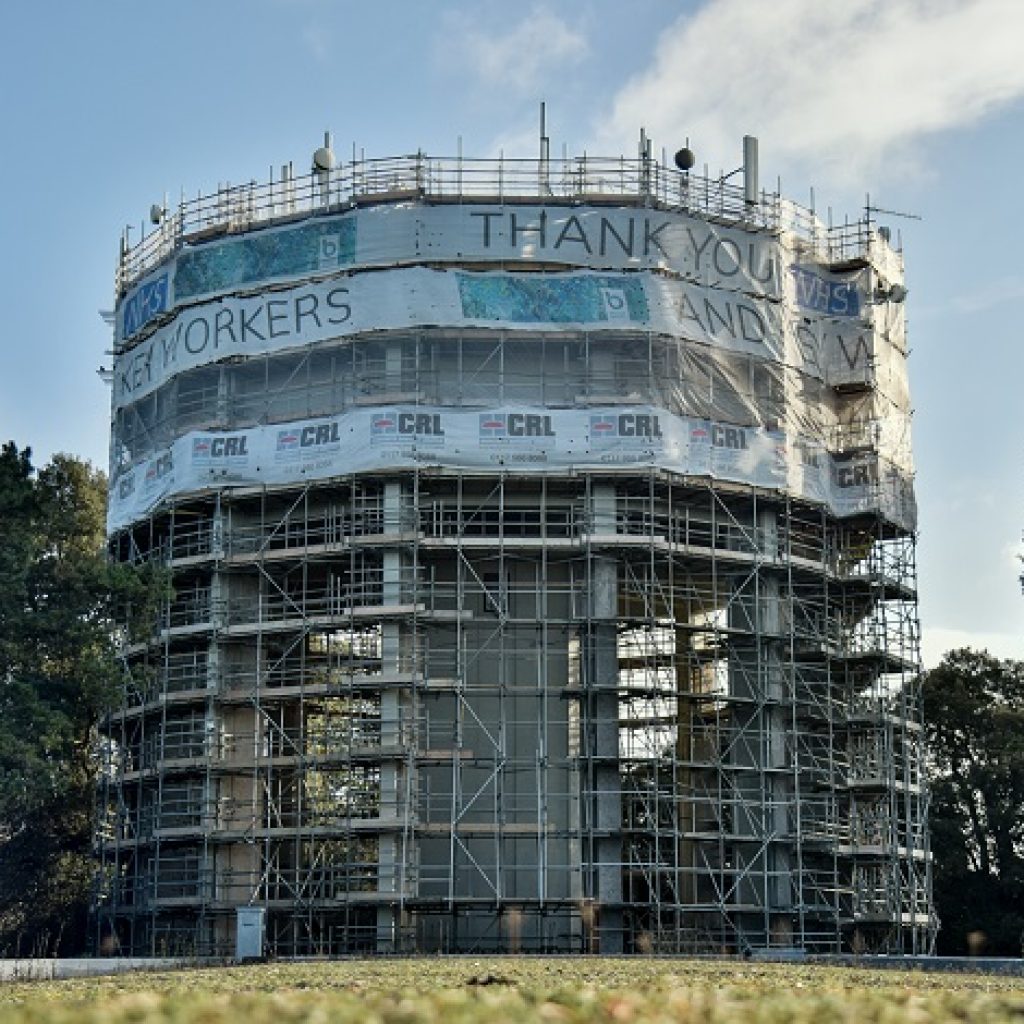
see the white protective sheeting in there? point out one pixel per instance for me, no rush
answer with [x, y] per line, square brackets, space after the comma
[783, 373]
[756, 263]
[831, 349]
[510, 439]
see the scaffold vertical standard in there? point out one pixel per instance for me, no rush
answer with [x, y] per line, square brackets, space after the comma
[540, 539]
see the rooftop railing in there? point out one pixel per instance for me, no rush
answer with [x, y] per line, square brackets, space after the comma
[582, 179]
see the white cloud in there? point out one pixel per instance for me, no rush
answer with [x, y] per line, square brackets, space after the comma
[935, 642]
[849, 88]
[517, 140]
[518, 56]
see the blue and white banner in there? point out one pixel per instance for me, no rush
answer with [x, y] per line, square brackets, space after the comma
[145, 302]
[823, 293]
[348, 305]
[614, 239]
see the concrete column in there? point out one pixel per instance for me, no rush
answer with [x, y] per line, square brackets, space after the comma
[759, 752]
[215, 724]
[779, 782]
[602, 699]
[395, 499]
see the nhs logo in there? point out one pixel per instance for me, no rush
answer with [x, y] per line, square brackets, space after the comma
[820, 295]
[146, 302]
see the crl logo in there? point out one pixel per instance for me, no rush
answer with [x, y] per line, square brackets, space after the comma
[728, 437]
[391, 425]
[502, 425]
[229, 446]
[631, 425]
[158, 469]
[315, 435]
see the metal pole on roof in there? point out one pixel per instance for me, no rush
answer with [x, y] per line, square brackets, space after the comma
[750, 170]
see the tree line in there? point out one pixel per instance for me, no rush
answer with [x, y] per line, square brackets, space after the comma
[974, 723]
[60, 600]
[63, 607]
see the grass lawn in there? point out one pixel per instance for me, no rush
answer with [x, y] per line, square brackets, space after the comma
[564, 989]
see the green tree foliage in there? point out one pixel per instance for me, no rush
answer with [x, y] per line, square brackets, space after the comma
[58, 670]
[974, 715]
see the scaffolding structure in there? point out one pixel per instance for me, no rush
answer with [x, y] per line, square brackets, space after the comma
[435, 707]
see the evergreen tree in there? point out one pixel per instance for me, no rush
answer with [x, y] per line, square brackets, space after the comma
[58, 670]
[974, 715]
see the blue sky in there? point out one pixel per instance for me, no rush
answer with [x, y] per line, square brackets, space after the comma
[106, 106]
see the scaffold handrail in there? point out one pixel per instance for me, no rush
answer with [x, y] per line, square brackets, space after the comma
[452, 179]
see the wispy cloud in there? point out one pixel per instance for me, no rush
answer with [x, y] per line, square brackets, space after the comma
[935, 642]
[993, 293]
[986, 296]
[853, 87]
[521, 56]
[316, 41]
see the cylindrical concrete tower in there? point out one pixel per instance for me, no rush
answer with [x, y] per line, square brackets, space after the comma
[540, 539]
